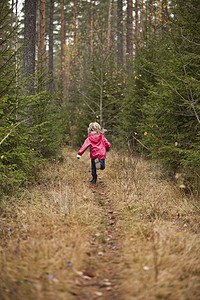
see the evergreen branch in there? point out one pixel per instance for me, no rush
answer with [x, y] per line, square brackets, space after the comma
[8, 60]
[169, 85]
[16, 125]
[113, 102]
[86, 101]
[191, 94]
[188, 86]
[184, 37]
[190, 101]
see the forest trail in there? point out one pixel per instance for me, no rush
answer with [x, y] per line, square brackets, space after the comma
[101, 278]
[133, 235]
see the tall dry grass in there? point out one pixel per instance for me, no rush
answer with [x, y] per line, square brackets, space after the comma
[161, 225]
[46, 230]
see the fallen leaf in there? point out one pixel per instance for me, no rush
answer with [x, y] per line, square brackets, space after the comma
[86, 277]
[98, 293]
[90, 274]
[79, 273]
[50, 277]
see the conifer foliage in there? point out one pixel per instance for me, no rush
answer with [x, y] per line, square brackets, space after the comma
[131, 65]
[30, 117]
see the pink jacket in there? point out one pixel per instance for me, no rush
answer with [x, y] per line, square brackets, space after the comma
[98, 146]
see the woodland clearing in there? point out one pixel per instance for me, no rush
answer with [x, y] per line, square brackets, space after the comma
[133, 235]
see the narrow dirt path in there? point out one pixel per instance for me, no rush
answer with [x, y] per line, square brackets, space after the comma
[101, 276]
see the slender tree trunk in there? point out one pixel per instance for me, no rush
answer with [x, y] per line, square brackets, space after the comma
[150, 29]
[42, 34]
[75, 31]
[16, 20]
[37, 46]
[109, 26]
[141, 30]
[16, 58]
[2, 31]
[101, 94]
[30, 40]
[11, 23]
[136, 26]
[91, 29]
[51, 13]
[113, 27]
[119, 33]
[62, 38]
[129, 30]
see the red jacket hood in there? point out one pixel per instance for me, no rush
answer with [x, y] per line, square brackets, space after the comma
[94, 137]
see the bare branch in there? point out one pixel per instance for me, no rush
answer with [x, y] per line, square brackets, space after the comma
[16, 125]
[141, 143]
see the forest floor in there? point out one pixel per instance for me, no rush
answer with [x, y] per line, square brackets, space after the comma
[132, 235]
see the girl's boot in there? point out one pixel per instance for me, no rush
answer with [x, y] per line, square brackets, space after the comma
[94, 179]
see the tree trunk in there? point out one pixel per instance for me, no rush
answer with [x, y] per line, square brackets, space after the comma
[129, 30]
[62, 38]
[2, 31]
[42, 34]
[113, 27]
[109, 26]
[120, 33]
[150, 29]
[11, 23]
[30, 40]
[91, 29]
[136, 26]
[51, 13]
[101, 94]
[141, 30]
[75, 31]
[16, 58]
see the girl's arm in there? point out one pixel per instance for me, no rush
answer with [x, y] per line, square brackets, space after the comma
[106, 143]
[85, 145]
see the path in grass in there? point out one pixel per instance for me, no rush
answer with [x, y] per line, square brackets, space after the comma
[101, 276]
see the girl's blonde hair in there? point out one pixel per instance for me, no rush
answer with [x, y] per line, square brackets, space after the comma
[95, 127]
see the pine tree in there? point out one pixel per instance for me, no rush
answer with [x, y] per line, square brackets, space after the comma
[30, 41]
[129, 30]
[51, 14]
[42, 42]
[120, 54]
[62, 42]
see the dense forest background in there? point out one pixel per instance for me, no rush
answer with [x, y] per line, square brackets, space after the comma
[133, 66]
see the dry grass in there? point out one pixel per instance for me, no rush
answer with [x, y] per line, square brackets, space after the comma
[46, 232]
[162, 243]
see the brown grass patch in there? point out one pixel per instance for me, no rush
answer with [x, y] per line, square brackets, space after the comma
[161, 225]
